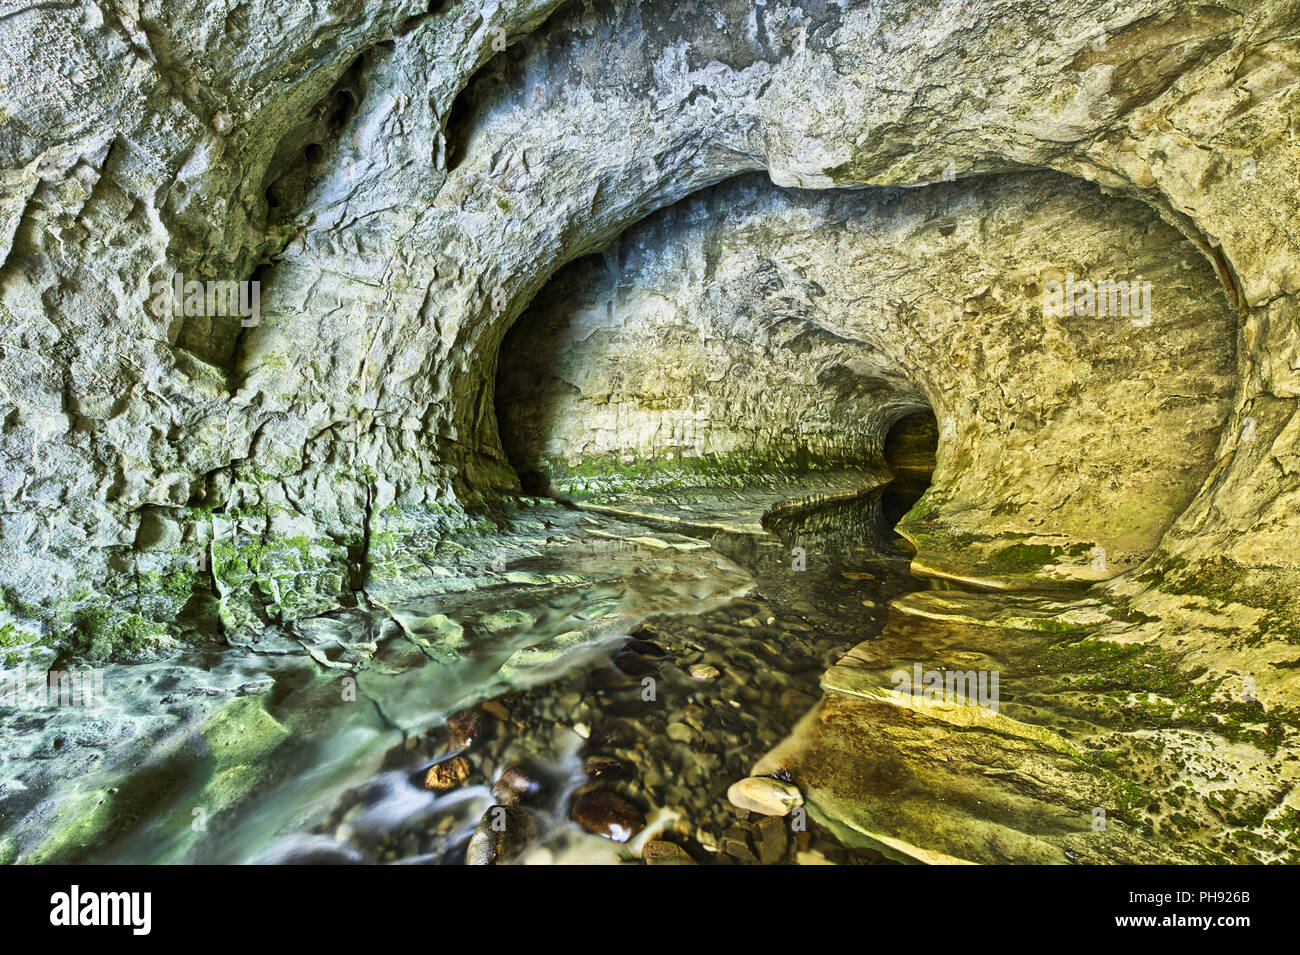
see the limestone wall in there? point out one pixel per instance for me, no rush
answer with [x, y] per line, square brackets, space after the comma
[402, 204]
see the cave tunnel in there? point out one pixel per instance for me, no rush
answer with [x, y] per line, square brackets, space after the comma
[667, 434]
[910, 451]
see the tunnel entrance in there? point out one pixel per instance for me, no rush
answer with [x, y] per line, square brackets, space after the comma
[719, 343]
[910, 450]
[912, 442]
[619, 376]
[524, 402]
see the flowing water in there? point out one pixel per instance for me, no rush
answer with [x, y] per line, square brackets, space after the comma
[626, 659]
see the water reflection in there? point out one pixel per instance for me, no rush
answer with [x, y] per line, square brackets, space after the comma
[862, 526]
[728, 676]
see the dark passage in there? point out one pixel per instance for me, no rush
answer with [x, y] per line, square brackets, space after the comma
[910, 448]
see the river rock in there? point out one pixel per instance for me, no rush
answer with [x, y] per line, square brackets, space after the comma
[465, 727]
[498, 709]
[735, 844]
[612, 734]
[679, 733]
[765, 795]
[607, 767]
[447, 775]
[608, 814]
[502, 833]
[514, 785]
[658, 852]
[769, 837]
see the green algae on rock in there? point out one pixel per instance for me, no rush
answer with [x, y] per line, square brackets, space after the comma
[687, 268]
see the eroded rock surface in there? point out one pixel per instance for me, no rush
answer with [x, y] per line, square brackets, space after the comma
[393, 262]
[403, 179]
[764, 326]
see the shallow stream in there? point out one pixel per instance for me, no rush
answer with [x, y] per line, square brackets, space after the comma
[625, 680]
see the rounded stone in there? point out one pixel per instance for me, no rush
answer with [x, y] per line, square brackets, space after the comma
[658, 852]
[515, 784]
[502, 833]
[608, 814]
[680, 733]
[765, 795]
[610, 767]
[447, 775]
[465, 727]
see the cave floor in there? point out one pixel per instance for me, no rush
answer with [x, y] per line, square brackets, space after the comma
[669, 718]
[627, 660]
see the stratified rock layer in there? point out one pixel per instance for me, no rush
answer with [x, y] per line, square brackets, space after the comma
[402, 179]
[398, 231]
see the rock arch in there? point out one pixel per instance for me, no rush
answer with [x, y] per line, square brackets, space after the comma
[1068, 444]
[382, 313]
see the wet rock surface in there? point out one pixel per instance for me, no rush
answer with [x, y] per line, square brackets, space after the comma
[346, 431]
[1088, 750]
[796, 749]
[281, 539]
[801, 749]
[636, 751]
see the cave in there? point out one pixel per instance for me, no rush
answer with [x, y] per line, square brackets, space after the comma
[802, 433]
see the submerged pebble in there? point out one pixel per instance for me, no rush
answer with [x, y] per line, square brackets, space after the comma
[608, 814]
[465, 727]
[498, 709]
[764, 794]
[600, 766]
[447, 775]
[515, 785]
[658, 852]
[502, 833]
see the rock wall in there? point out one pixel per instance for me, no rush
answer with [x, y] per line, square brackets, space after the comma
[1067, 444]
[402, 202]
[691, 350]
